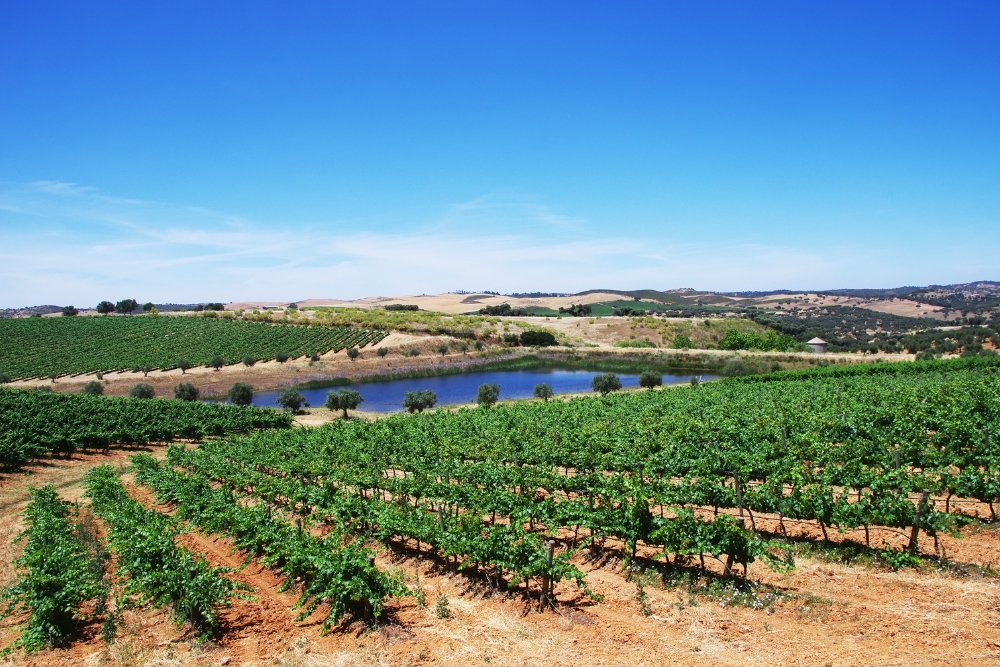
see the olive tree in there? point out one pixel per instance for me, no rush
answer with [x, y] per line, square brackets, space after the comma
[69, 311]
[281, 357]
[382, 351]
[291, 400]
[241, 394]
[146, 368]
[442, 349]
[488, 394]
[249, 361]
[605, 383]
[142, 390]
[105, 307]
[186, 391]
[419, 400]
[543, 391]
[217, 362]
[353, 353]
[183, 364]
[343, 399]
[650, 379]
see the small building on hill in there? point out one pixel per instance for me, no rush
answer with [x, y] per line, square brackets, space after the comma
[818, 345]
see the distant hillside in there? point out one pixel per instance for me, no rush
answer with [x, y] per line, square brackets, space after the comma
[28, 311]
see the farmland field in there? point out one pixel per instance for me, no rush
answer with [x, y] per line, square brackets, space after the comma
[38, 347]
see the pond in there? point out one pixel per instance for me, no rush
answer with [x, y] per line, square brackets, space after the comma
[461, 388]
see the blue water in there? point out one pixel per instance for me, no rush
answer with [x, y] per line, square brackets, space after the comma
[461, 388]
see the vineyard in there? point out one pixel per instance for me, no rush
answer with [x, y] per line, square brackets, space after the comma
[42, 347]
[702, 479]
[35, 423]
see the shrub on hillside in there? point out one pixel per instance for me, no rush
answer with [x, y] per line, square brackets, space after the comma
[92, 388]
[635, 343]
[539, 338]
[681, 342]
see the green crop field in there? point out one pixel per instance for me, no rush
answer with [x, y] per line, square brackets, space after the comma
[515, 492]
[38, 347]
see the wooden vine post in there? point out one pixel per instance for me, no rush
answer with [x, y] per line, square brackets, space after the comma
[547, 579]
[915, 531]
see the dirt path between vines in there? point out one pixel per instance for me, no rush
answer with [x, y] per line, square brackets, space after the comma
[831, 614]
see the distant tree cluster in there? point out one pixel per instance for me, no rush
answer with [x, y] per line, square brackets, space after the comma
[503, 310]
[123, 307]
[576, 310]
[968, 341]
[401, 306]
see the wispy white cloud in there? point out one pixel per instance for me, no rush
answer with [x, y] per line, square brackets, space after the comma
[65, 243]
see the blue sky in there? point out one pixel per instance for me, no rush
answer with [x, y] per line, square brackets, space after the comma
[189, 151]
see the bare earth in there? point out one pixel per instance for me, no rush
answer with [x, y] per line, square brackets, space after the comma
[833, 615]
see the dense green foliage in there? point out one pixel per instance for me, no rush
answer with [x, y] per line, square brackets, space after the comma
[539, 338]
[845, 328]
[55, 578]
[34, 423]
[503, 310]
[156, 569]
[681, 342]
[35, 348]
[635, 343]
